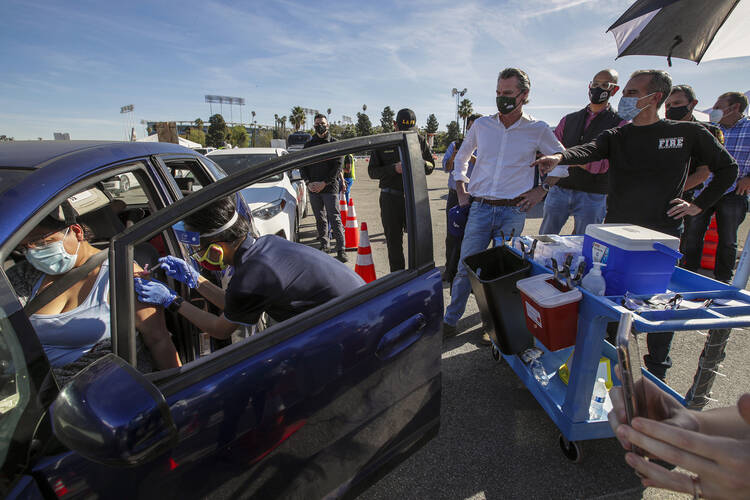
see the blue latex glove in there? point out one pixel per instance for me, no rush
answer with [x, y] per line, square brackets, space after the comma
[180, 270]
[154, 292]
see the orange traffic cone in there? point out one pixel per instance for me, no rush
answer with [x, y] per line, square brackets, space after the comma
[365, 267]
[352, 229]
[342, 208]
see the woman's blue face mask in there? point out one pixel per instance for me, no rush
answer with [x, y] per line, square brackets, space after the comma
[52, 258]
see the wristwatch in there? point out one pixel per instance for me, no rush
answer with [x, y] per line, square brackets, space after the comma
[546, 187]
[175, 305]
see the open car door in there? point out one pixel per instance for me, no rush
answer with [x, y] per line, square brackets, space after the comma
[319, 405]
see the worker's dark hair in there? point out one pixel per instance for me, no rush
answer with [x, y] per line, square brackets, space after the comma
[214, 216]
[320, 115]
[473, 117]
[524, 83]
[660, 82]
[736, 98]
[685, 89]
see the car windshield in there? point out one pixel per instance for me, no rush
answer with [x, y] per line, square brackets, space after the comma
[9, 177]
[237, 163]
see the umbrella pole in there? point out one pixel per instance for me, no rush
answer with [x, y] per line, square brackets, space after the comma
[714, 351]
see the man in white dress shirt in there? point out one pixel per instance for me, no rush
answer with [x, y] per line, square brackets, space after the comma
[501, 187]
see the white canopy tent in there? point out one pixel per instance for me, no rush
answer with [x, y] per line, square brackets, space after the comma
[183, 141]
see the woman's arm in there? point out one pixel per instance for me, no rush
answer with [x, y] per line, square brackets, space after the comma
[149, 321]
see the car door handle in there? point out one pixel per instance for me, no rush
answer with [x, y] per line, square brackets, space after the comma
[401, 337]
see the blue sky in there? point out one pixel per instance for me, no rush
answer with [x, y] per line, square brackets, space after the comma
[69, 66]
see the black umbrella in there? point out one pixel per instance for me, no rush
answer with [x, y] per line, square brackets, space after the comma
[679, 28]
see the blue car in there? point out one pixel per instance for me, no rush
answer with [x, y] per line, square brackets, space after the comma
[319, 405]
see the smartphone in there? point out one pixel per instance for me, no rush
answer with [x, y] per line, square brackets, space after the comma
[629, 357]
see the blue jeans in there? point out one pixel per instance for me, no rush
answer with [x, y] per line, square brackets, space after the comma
[484, 225]
[586, 208]
[348, 181]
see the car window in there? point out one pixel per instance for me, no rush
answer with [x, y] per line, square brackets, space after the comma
[239, 162]
[14, 382]
[73, 325]
[125, 187]
[188, 174]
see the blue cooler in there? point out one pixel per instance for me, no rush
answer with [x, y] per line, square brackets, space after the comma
[637, 260]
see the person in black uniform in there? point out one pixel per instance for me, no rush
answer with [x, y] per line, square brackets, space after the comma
[322, 181]
[385, 165]
[679, 107]
[271, 274]
[648, 167]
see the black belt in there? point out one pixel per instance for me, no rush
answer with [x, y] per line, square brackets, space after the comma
[397, 192]
[499, 203]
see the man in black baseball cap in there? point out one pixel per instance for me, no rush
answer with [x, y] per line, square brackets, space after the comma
[385, 165]
[405, 119]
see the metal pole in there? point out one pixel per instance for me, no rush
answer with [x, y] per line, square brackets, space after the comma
[714, 350]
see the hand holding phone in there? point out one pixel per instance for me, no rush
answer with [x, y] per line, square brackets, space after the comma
[638, 396]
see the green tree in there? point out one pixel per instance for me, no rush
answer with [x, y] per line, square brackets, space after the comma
[239, 136]
[465, 110]
[386, 119]
[196, 134]
[364, 126]
[199, 123]
[297, 118]
[432, 124]
[454, 132]
[328, 114]
[343, 131]
[217, 131]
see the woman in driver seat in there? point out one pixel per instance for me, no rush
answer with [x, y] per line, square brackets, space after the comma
[74, 326]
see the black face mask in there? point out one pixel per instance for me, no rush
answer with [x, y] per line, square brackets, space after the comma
[598, 96]
[506, 104]
[676, 113]
[321, 129]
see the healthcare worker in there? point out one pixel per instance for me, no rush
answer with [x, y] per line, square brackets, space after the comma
[271, 274]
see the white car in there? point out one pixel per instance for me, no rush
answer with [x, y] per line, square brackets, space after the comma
[120, 183]
[275, 202]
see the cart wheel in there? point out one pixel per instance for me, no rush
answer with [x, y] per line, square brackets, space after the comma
[571, 449]
[495, 353]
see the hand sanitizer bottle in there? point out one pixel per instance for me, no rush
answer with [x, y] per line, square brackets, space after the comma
[594, 281]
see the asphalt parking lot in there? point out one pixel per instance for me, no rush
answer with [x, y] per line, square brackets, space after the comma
[495, 440]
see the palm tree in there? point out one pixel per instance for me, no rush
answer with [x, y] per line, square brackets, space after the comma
[283, 123]
[465, 110]
[364, 108]
[297, 118]
[328, 114]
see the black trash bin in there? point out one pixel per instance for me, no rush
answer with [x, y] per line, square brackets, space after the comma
[493, 274]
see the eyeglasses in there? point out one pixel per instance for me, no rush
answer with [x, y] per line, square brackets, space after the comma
[42, 241]
[602, 85]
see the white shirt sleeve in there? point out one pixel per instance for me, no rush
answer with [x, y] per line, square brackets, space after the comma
[461, 161]
[549, 145]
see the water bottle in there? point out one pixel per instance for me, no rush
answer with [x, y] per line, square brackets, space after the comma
[594, 281]
[596, 410]
[540, 374]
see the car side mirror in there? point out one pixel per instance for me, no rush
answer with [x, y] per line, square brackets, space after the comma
[295, 175]
[111, 414]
